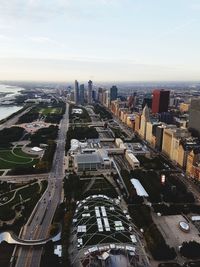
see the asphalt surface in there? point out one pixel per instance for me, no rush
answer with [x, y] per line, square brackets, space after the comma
[40, 220]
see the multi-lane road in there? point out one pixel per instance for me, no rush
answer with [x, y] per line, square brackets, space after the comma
[40, 220]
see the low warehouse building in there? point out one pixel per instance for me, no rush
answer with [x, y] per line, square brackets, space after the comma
[91, 160]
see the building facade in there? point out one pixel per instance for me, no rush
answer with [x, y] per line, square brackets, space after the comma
[160, 102]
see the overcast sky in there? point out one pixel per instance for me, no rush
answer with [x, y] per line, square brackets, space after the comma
[103, 40]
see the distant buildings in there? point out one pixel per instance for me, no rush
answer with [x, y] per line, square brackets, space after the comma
[113, 93]
[184, 107]
[82, 94]
[160, 102]
[76, 92]
[89, 100]
[147, 101]
[194, 116]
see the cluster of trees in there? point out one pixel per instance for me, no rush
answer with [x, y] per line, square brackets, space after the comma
[29, 117]
[83, 117]
[157, 245]
[154, 163]
[80, 133]
[173, 191]
[118, 133]
[53, 118]
[34, 113]
[43, 135]
[66, 233]
[141, 215]
[49, 258]
[190, 250]
[56, 117]
[150, 181]
[133, 197]
[6, 251]
[180, 194]
[104, 113]
[5, 187]
[44, 165]
[72, 187]
[8, 135]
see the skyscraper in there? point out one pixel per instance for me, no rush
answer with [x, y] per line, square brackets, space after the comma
[82, 93]
[194, 116]
[76, 92]
[144, 119]
[113, 93]
[147, 101]
[89, 92]
[160, 101]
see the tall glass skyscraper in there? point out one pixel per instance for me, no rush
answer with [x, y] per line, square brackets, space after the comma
[89, 92]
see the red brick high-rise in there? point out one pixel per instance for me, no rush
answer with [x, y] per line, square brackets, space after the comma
[160, 101]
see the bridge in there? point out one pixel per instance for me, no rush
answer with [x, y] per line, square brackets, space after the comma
[89, 124]
[11, 238]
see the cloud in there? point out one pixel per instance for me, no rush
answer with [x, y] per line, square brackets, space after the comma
[42, 10]
[4, 38]
[180, 27]
[45, 40]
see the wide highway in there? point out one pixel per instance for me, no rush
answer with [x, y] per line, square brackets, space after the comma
[40, 220]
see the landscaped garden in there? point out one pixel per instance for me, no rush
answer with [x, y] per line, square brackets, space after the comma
[20, 196]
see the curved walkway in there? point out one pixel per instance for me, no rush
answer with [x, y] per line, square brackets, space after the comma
[11, 238]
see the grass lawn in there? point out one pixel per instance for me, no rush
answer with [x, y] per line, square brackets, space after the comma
[10, 159]
[50, 110]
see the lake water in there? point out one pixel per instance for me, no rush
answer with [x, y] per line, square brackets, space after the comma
[6, 111]
[8, 93]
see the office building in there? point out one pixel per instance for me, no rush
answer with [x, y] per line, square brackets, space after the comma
[137, 122]
[185, 147]
[193, 164]
[76, 92]
[113, 93]
[159, 137]
[151, 132]
[82, 93]
[89, 92]
[166, 117]
[147, 101]
[91, 160]
[171, 140]
[194, 117]
[160, 102]
[144, 119]
[184, 107]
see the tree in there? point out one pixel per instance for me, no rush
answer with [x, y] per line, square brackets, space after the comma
[190, 250]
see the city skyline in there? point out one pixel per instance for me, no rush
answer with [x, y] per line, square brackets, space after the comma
[101, 40]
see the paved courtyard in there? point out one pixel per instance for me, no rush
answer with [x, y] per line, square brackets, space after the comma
[174, 236]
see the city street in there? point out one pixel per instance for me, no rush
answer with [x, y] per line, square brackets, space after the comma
[40, 220]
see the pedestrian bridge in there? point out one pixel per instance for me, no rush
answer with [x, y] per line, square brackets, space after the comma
[11, 238]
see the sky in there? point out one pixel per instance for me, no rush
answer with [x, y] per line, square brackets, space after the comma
[102, 40]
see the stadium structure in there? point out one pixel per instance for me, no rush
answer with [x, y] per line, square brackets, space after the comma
[104, 235]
